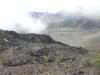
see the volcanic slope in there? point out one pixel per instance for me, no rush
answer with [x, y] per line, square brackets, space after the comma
[32, 54]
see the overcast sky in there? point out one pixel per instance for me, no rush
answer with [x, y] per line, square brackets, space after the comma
[45, 5]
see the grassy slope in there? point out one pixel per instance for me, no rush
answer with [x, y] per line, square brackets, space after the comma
[77, 37]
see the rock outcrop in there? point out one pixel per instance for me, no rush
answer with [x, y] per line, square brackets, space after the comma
[23, 49]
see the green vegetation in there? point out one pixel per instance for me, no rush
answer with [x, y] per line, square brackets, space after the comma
[46, 73]
[58, 60]
[45, 58]
[1, 63]
[96, 61]
[40, 44]
[34, 61]
[86, 63]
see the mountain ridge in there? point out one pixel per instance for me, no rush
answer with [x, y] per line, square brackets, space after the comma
[76, 19]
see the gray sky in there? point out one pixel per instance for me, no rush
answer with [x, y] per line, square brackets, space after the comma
[45, 5]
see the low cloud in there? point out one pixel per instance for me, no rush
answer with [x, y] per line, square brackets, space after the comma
[21, 22]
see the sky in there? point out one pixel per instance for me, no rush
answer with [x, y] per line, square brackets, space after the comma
[52, 6]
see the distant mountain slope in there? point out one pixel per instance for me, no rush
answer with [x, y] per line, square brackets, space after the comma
[78, 19]
[82, 21]
[70, 19]
[45, 17]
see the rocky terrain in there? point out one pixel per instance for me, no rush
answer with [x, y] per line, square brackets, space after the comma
[34, 54]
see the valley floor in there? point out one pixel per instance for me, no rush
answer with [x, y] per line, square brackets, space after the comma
[77, 37]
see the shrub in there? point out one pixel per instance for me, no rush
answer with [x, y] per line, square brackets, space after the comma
[58, 60]
[96, 61]
[34, 61]
[45, 58]
[86, 63]
[46, 73]
[96, 64]
[40, 44]
[0, 63]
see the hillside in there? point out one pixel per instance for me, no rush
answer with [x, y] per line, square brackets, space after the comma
[64, 18]
[88, 39]
[31, 54]
[78, 21]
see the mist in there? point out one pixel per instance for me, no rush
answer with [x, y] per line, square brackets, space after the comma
[13, 15]
[21, 22]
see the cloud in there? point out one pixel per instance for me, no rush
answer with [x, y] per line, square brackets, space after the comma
[21, 22]
[13, 14]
